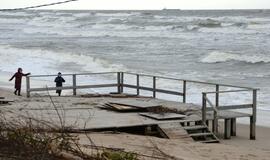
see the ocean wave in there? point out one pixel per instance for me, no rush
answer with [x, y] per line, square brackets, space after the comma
[49, 62]
[12, 21]
[217, 57]
[116, 14]
[210, 23]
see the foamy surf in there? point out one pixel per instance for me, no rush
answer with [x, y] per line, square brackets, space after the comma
[218, 57]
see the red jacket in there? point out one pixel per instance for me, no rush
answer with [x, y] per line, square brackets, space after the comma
[18, 79]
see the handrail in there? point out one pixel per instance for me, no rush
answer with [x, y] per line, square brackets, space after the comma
[193, 81]
[52, 75]
[230, 91]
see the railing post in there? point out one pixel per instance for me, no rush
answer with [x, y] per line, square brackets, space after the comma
[254, 116]
[217, 95]
[204, 108]
[122, 82]
[119, 82]
[154, 87]
[215, 120]
[138, 84]
[28, 86]
[74, 79]
[184, 91]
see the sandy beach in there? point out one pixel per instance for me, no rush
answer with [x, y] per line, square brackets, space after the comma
[237, 148]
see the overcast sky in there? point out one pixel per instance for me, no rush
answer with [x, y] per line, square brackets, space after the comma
[144, 4]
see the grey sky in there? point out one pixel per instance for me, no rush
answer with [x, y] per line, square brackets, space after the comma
[144, 4]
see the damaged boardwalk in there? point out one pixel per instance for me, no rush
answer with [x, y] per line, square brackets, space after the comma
[168, 119]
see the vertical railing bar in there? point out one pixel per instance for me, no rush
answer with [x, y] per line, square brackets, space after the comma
[118, 82]
[215, 120]
[28, 86]
[204, 108]
[154, 86]
[138, 84]
[184, 91]
[254, 115]
[122, 82]
[74, 79]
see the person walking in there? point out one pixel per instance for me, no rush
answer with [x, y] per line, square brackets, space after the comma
[59, 80]
[18, 81]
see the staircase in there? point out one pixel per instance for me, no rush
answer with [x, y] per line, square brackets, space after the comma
[199, 132]
[188, 131]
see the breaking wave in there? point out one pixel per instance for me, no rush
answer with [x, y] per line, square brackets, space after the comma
[218, 57]
[49, 61]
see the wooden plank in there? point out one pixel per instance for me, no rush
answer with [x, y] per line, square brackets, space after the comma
[122, 107]
[197, 127]
[164, 116]
[200, 134]
[209, 141]
[135, 103]
[5, 101]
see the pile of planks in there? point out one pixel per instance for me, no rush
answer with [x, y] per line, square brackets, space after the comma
[5, 101]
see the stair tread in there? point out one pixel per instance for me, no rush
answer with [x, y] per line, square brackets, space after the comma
[195, 127]
[200, 134]
[209, 141]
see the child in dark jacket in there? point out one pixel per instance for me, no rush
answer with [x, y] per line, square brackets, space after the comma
[59, 80]
[18, 81]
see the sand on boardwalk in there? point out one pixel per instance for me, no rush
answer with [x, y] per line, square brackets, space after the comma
[238, 148]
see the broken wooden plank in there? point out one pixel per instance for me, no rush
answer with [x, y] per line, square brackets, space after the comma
[135, 103]
[122, 107]
[164, 116]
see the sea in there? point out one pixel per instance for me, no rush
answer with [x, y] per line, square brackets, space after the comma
[221, 46]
